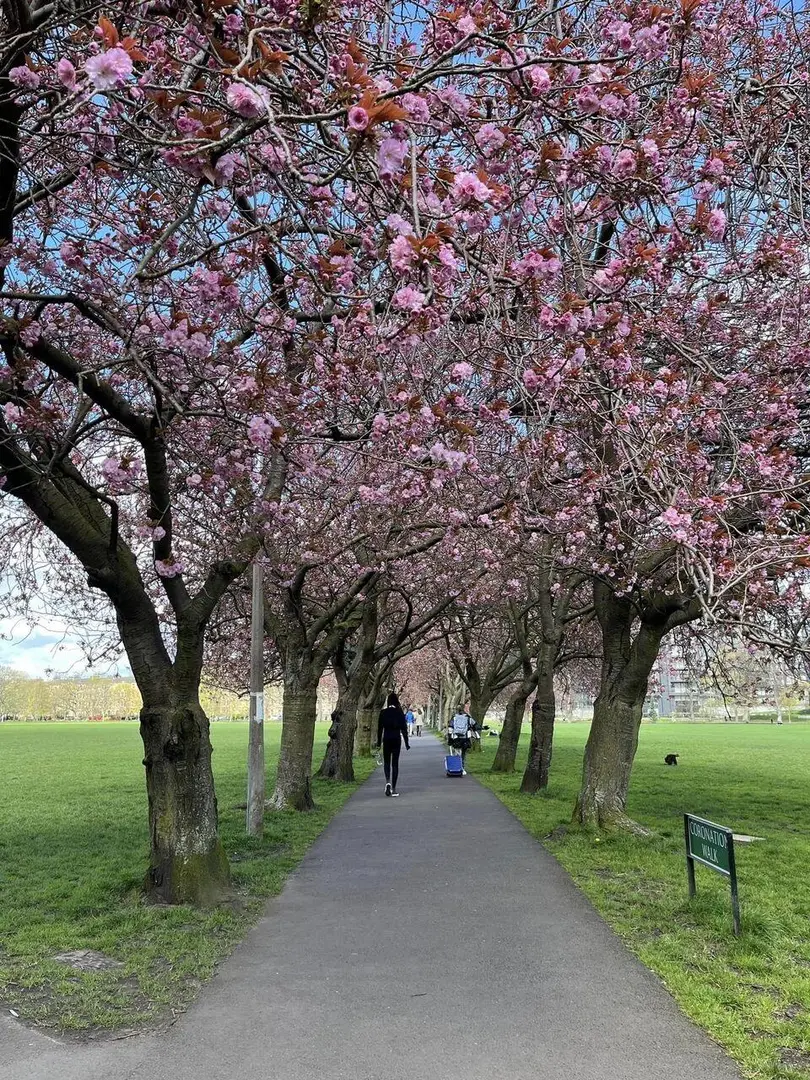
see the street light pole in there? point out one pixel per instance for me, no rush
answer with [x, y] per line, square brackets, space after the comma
[256, 777]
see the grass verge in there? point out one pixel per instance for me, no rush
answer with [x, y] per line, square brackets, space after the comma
[752, 994]
[73, 849]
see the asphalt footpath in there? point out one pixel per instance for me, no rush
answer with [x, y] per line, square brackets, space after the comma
[427, 937]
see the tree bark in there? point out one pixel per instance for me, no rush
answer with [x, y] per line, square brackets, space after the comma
[187, 861]
[613, 740]
[337, 761]
[535, 776]
[365, 724]
[504, 761]
[609, 755]
[370, 703]
[299, 707]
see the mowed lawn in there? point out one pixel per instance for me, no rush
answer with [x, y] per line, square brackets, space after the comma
[752, 994]
[73, 854]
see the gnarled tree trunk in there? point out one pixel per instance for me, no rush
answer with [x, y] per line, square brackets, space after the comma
[337, 761]
[535, 776]
[187, 861]
[506, 753]
[370, 703]
[626, 665]
[299, 709]
[609, 755]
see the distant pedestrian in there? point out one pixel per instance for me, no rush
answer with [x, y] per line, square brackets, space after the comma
[392, 727]
[410, 719]
[418, 723]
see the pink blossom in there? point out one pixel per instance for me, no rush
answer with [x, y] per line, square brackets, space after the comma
[650, 150]
[194, 480]
[397, 224]
[409, 299]
[109, 69]
[447, 257]
[468, 188]
[531, 380]
[244, 100]
[467, 25]
[13, 412]
[273, 158]
[168, 569]
[24, 77]
[417, 107]
[66, 74]
[462, 371]
[401, 254]
[538, 78]
[380, 424]
[624, 164]
[652, 41]
[717, 224]
[390, 157]
[225, 167]
[490, 138]
[455, 100]
[31, 334]
[536, 266]
[452, 460]
[677, 522]
[612, 105]
[715, 168]
[620, 32]
[588, 101]
[263, 431]
[358, 118]
[158, 533]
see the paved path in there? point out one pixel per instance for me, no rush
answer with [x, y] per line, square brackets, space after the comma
[406, 915]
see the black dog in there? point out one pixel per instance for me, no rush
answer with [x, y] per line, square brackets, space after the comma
[671, 759]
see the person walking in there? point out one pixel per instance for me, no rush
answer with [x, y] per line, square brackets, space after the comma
[410, 720]
[458, 733]
[392, 727]
[418, 722]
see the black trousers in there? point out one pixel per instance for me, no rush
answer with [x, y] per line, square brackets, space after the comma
[391, 751]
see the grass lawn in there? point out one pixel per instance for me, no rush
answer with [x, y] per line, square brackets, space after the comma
[73, 851]
[751, 994]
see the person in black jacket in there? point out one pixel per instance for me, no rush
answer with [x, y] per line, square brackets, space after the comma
[392, 728]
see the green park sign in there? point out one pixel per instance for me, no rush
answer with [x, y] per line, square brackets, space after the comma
[713, 846]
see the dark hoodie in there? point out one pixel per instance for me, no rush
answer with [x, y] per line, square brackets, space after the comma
[391, 726]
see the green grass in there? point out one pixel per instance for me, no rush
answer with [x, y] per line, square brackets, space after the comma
[751, 994]
[73, 850]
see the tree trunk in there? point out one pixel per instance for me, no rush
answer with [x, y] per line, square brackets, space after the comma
[187, 861]
[337, 761]
[370, 703]
[535, 776]
[609, 755]
[510, 732]
[365, 725]
[479, 706]
[613, 739]
[299, 712]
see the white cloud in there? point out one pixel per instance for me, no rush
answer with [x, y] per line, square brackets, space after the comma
[48, 648]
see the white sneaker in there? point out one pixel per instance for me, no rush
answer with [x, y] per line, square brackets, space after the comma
[387, 789]
[463, 772]
[394, 794]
